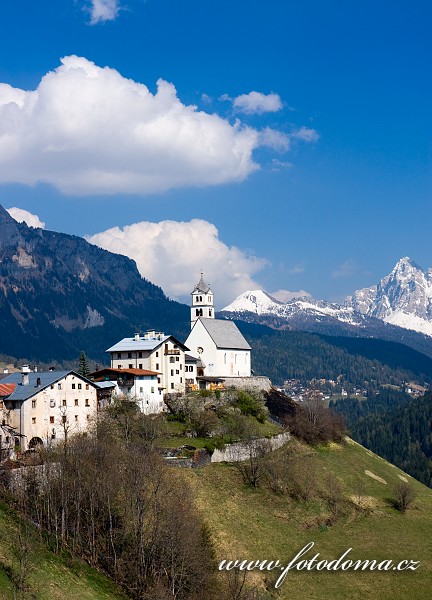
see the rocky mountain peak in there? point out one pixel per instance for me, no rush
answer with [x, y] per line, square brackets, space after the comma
[403, 298]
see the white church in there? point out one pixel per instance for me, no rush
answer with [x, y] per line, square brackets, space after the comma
[221, 349]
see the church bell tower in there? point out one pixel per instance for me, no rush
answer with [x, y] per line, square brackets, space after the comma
[202, 302]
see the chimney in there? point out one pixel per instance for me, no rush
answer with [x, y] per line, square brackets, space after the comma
[150, 334]
[137, 337]
[5, 370]
[25, 375]
[35, 369]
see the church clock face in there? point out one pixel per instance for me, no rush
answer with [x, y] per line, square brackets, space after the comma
[200, 349]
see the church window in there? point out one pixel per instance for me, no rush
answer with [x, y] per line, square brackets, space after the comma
[196, 299]
[200, 298]
[172, 386]
[210, 312]
[225, 358]
[197, 312]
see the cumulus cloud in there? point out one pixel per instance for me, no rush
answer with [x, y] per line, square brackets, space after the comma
[286, 295]
[103, 10]
[88, 130]
[256, 103]
[172, 254]
[24, 216]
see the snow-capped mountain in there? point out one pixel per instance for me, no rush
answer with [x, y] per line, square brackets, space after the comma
[262, 304]
[402, 298]
[398, 309]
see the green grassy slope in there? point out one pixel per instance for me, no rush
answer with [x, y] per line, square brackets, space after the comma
[247, 523]
[50, 577]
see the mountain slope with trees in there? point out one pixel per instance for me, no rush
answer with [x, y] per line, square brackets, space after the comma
[59, 295]
[395, 426]
[363, 362]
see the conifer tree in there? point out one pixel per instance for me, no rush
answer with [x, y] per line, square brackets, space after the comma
[83, 368]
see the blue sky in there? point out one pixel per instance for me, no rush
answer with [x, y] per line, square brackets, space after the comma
[319, 182]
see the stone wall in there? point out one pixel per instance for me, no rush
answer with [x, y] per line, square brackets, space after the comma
[240, 451]
[248, 383]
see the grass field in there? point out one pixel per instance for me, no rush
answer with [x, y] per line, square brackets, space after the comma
[248, 523]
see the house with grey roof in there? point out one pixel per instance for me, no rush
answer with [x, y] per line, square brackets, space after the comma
[44, 407]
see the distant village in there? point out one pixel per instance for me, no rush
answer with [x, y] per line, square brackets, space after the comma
[40, 408]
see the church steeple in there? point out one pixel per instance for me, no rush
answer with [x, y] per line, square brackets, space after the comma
[202, 301]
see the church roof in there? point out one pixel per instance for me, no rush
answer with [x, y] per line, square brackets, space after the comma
[225, 334]
[201, 286]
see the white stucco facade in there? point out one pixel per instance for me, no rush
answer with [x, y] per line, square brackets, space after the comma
[68, 405]
[221, 347]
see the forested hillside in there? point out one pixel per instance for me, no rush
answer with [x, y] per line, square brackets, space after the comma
[363, 362]
[395, 426]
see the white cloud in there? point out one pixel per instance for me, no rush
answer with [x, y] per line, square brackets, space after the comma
[297, 269]
[103, 10]
[24, 216]
[171, 254]
[305, 134]
[346, 269]
[256, 103]
[88, 130]
[281, 164]
[272, 138]
[286, 295]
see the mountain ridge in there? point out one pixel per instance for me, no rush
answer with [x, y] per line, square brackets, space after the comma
[406, 292]
[60, 294]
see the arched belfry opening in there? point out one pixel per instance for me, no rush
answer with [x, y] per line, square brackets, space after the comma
[202, 301]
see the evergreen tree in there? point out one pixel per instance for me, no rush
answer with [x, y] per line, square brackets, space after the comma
[83, 368]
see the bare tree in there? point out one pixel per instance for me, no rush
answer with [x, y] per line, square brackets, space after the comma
[404, 496]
